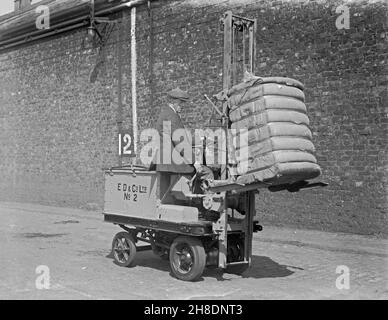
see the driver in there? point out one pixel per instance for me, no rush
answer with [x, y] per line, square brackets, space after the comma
[170, 114]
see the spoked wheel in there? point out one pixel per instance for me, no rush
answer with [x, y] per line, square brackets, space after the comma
[123, 249]
[236, 254]
[187, 258]
[235, 251]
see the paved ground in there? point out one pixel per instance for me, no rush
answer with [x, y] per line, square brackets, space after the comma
[75, 245]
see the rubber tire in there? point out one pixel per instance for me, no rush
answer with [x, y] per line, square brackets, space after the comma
[237, 269]
[199, 257]
[132, 248]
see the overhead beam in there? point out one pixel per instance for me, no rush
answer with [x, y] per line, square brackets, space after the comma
[21, 29]
[23, 21]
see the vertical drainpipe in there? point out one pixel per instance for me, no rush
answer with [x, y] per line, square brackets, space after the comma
[133, 79]
[151, 56]
[119, 80]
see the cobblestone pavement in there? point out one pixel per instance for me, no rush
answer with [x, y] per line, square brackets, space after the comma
[75, 245]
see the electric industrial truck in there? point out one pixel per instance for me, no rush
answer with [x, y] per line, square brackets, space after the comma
[192, 229]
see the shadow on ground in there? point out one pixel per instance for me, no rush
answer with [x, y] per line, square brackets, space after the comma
[265, 267]
[262, 267]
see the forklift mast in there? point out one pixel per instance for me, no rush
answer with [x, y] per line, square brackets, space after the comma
[239, 53]
[239, 48]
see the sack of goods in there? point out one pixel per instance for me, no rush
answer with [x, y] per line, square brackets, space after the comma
[270, 123]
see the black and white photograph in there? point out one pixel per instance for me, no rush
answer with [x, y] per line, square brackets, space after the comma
[207, 152]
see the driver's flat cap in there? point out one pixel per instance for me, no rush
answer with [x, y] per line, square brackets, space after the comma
[178, 94]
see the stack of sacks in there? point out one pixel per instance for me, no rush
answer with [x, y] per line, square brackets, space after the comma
[273, 112]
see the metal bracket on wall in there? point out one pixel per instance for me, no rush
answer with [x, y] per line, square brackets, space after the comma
[99, 31]
[100, 44]
[100, 27]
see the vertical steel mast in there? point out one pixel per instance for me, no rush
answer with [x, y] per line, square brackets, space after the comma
[239, 53]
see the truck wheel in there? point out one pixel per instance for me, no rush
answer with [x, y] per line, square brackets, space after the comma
[238, 269]
[123, 249]
[187, 258]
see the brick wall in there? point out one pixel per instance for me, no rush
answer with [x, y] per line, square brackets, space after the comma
[58, 130]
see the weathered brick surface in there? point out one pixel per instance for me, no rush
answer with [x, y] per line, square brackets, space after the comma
[58, 130]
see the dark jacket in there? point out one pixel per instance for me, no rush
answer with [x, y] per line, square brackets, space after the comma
[168, 114]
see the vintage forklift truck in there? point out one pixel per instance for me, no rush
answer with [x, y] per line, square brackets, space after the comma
[192, 230]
